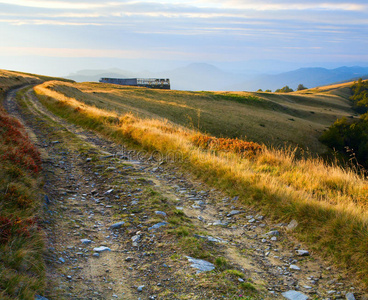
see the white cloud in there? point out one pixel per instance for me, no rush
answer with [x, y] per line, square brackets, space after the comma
[59, 4]
[288, 5]
[168, 53]
[21, 22]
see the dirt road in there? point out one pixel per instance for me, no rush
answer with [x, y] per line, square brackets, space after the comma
[122, 225]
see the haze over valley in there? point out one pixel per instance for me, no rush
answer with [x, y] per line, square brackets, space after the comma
[206, 77]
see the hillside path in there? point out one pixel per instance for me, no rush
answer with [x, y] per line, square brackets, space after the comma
[92, 184]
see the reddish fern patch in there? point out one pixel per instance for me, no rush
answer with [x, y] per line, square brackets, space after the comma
[16, 147]
[236, 145]
[11, 227]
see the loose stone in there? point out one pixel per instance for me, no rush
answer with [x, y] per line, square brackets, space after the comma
[294, 267]
[140, 288]
[350, 296]
[101, 249]
[38, 297]
[233, 213]
[273, 233]
[157, 212]
[302, 252]
[117, 225]
[158, 225]
[294, 295]
[201, 265]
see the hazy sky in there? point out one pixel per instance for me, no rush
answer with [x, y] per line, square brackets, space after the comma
[56, 37]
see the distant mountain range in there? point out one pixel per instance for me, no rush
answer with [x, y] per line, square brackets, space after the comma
[201, 76]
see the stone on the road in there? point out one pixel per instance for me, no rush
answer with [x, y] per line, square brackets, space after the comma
[302, 252]
[38, 297]
[157, 212]
[233, 213]
[140, 288]
[211, 239]
[101, 249]
[273, 233]
[294, 267]
[136, 238]
[158, 225]
[201, 265]
[108, 192]
[294, 295]
[350, 296]
[117, 225]
[86, 241]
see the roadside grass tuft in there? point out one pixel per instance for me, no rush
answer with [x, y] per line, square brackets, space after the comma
[22, 268]
[221, 263]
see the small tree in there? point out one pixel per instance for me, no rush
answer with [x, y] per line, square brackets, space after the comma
[268, 91]
[285, 89]
[301, 87]
[260, 90]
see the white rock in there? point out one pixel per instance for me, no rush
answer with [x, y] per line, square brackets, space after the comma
[302, 252]
[233, 213]
[140, 288]
[201, 265]
[294, 295]
[292, 225]
[101, 249]
[350, 296]
[294, 267]
[136, 238]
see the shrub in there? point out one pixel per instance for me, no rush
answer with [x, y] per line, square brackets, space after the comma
[285, 89]
[301, 87]
[350, 137]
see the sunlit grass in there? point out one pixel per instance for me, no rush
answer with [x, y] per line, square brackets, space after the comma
[294, 118]
[330, 203]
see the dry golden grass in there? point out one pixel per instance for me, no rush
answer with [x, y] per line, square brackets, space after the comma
[329, 202]
[295, 119]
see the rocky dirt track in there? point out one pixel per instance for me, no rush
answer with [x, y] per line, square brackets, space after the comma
[125, 225]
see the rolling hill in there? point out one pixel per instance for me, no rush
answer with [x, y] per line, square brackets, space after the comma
[327, 201]
[310, 77]
[296, 118]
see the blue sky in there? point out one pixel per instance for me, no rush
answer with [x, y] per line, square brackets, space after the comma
[57, 37]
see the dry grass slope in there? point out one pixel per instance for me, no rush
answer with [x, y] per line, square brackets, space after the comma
[329, 203]
[296, 118]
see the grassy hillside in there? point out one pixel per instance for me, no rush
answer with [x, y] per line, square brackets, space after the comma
[21, 243]
[328, 202]
[296, 118]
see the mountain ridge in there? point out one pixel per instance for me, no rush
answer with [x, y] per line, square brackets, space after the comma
[204, 76]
